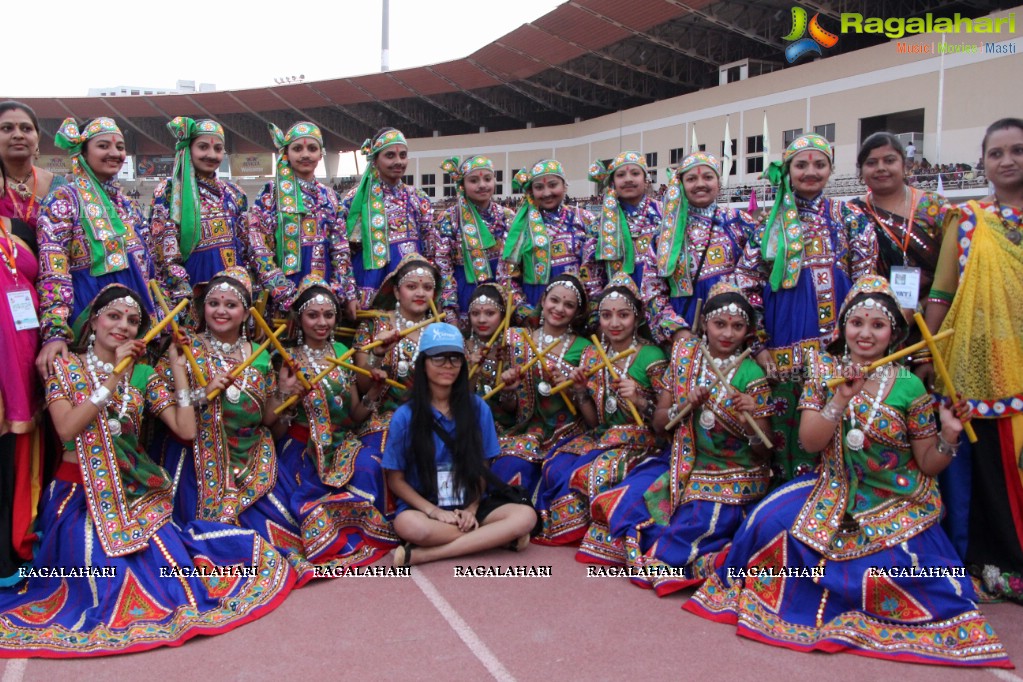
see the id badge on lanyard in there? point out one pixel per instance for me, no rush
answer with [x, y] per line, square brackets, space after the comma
[906, 285]
[23, 309]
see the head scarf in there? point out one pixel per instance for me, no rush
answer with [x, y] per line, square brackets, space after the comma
[103, 228]
[871, 291]
[527, 242]
[476, 236]
[614, 240]
[290, 205]
[783, 226]
[672, 239]
[185, 206]
[367, 213]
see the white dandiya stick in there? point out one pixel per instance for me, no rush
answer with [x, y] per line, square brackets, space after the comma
[688, 407]
[941, 369]
[614, 375]
[237, 371]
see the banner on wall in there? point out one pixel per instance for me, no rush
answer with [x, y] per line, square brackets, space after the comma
[154, 166]
[251, 164]
[58, 164]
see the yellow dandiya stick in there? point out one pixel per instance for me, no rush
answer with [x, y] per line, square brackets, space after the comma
[369, 313]
[745, 415]
[285, 355]
[695, 328]
[688, 407]
[433, 307]
[593, 370]
[532, 361]
[185, 348]
[403, 333]
[568, 403]
[237, 371]
[261, 300]
[363, 371]
[345, 331]
[941, 369]
[614, 375]
[152, 334]
[316, 379]
[834, 382]
[489, 344]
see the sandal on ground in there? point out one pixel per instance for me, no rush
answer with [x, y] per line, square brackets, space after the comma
[519, 544]
[403, 554]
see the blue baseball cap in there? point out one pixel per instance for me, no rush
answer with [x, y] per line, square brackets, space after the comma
[441, 337]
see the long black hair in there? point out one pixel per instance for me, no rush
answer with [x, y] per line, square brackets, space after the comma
[466, 445]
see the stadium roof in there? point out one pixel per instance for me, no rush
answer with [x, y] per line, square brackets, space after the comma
[585, 58]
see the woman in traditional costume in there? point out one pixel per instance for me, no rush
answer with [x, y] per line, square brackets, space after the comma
[542, 418]
[680, 510]
[579, 469]
[626, 232]
[111, 573]
[853, 558]
[197, 219]
[547, 238]
[386, 219]
[470, 236]
[295, 225]
[487, 356]
[699, 244]
[977, 292]
[339, 492]
[796, 267]
[90, 235]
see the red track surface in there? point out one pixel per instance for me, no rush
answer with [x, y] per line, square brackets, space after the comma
[566, 627]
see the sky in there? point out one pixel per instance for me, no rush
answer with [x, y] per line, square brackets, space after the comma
[243, 43]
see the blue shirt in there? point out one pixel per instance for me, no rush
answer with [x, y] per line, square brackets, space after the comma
[399, 442]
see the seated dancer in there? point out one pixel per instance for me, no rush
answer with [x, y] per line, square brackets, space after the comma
[386, 219]
[469, 236]
[339, 493]
[90, 235]
[294, 225]
[436, 461]
[547, 238]
[487, 360]
[580, 468]
[542, 419]
[681, 509]
[407, 291]
[699, 244]
[197, 220]
[875, 573]
[132, 580]
[230, 472]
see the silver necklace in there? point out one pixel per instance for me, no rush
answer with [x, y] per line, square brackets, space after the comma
[95, 365]
[223, 346]
[406, 347]
[611, 402]
[855, 439]
[488, 367]
[221, 350]
[708, 420]
[544, 387]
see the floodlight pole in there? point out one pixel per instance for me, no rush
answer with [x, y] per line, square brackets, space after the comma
[385, 52]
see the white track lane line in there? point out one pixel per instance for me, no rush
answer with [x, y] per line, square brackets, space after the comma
[15, 670]
[461, 628]
[997, 672]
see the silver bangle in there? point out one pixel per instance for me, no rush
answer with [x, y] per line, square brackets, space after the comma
[100, 397]
[371, 405]
[184, 398]
[832, 412]
[946, 448]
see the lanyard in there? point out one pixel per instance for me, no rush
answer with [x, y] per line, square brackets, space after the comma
[9, 251]
[908, 224]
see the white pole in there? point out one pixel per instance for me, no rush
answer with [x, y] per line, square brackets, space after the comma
[941, 102]
[385, 48]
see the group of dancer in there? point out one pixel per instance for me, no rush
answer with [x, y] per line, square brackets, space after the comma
[245, 398]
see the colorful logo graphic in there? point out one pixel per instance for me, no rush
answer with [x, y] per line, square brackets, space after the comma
[802, 46]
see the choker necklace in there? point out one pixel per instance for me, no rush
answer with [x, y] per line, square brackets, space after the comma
[400, 321]
[221, 349]
[93, 362]
[1012, 230]
[223, 346]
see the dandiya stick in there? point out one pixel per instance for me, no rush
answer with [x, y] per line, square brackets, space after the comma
[728, 389]
[834, 382]
[593, 370]
[403, 333]
[532, 361]
[614, 375]
[364, 372]
[493, 339]
[568, 403]
[688, 407]
[285, 355]
[696, 317]
[237, 371]
[185, 348]
[941, 369]
[152, 334]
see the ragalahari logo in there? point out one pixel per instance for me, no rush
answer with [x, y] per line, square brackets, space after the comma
[802, 46]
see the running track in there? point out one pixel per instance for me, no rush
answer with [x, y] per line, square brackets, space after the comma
[437, 626]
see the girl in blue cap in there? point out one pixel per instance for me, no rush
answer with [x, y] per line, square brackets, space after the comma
[436, 458]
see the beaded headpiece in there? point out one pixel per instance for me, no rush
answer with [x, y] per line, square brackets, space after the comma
[873, 292]
[569, 284]
[725, 298]
[386, 298]
[123, 300]
[238, 283]
[611, 293]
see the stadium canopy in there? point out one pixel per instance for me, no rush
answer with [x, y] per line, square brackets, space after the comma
[585, 58]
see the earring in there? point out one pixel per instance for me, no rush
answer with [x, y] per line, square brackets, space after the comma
[301, 339]
[92, 339]
[541, 321]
